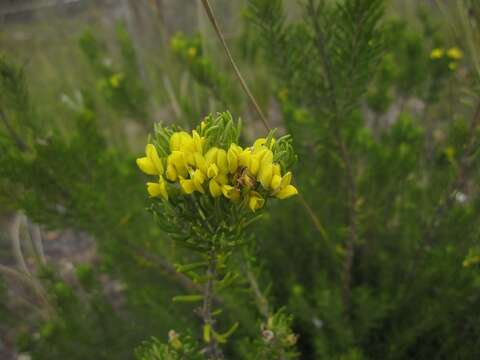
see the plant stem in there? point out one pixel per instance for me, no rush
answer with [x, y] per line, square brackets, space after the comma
[313, 217]
[212, 351]
[246, 89]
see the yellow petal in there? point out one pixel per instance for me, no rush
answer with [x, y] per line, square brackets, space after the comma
[244, 158]
[258, 144]
[254, 165]
[214, 188]
[152, 154]
[187, 186]
[212, 171]
[437, 54]
[154, 189]
[177, 159]
[286, 192]
[147, 166]
[455, 53]
[255, 201]
[267, 157]
[171, 173]
[175, 141]
[200, 162]
[198, 179]
[222, 179]
[232, 157]
[276, 169]
[230, 192]
[197, 142]
[164, 192]
[276, 182]
[187, 143]
[286, 179]
[211, 156]
[222, 161]
[265, 175]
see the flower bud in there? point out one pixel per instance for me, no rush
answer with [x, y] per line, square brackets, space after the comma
[265, 175]
[286, 192]
[187, 186]
[222, 162]
[255, 201]
[214, 188]
[198, 179]
[147, 166]
[171, 172]
[231, 193]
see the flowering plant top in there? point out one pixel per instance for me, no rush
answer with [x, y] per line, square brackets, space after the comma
[209, 161]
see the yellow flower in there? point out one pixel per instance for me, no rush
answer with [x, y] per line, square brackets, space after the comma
[276, 181]
[174, 340]
[287, 192]
[177, 159]
[259, 157]
[265, 175]
[158, 189]
[115, 80]
[453, 66]
[212, 171]
[231, 193]
[191, 52]
[222, 161]
[258, 144]
[215, 188]
[150, 164]
[147, 166]
[182, 141]
[197, 142]
[200, 162]
[198, 179]
[285, 189]
[437, 54]
[261, 143]
[222, 179]
[211, 155]
[255, 201]
[171, 172]
[187, 185]
[244, 158]
[455, 53]
[218, 157]
[232, 157]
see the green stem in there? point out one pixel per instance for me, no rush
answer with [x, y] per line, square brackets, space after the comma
[212, 351]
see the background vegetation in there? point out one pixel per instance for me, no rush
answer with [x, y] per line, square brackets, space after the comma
[378, 261]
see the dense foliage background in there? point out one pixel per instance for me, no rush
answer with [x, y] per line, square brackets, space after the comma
[378, 260]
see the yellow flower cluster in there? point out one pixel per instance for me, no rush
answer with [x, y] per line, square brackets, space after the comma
[237, 174]
[454, 54]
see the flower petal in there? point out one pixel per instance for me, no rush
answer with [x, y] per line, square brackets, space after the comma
[287, 192]
[147, 166]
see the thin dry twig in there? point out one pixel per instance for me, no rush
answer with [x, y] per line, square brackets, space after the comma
[246, 89]
[313, 217]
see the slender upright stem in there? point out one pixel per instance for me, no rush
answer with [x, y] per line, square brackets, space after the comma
[213, 351]
[246, 89]
[313, 217]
